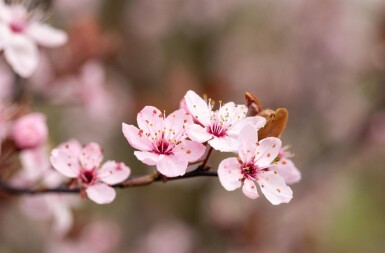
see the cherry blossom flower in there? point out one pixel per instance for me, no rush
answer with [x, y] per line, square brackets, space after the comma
[162, 141]
[83, 164]
[30, 131]
[221, 127]
[285, 167]
[255, 158]
[20, 32]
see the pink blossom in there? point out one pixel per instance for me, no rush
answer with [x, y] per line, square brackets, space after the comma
[255, 158]
[20, 32]
[286, 168]
[221, 127]
[162, 141]
[83, 163]
[30, 131]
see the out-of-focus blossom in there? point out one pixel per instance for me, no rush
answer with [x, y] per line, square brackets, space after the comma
[162, 140]
[255, 157]
[96, 237]
[171, 237]
[30, 131]
[20, 33]
[73, 161]
[286, 168]
[220, 128]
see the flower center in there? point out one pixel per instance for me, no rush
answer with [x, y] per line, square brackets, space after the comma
[16, 27]
[217, 130]
[249, 171]
[163, 147]
[87, 176]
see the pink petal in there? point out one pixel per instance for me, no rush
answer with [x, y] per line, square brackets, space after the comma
[91, 156]
[197, 133]
[247, 139]
[257, 122]
[267, 151]
[170, 166]
[22, 54]
[224, 144]
[101, 193]
[287, 170]
[150, 120]
[189, 151]
[249, 189]
[113, 173]
[229, 173]
[175, 122]
[274, 188]
[65, 158]
[136, 137]
[148, 158]
[46, 35]
[197, 107]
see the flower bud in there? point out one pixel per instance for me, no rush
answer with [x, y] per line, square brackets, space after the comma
[30, 131]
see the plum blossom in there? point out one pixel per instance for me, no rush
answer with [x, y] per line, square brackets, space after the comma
[255, 158]
[285, 167]
[221, 127]
[83, 163]
[162, 140]
[20, 33]
[30, 131]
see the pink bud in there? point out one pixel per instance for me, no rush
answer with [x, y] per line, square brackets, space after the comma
[30, 131]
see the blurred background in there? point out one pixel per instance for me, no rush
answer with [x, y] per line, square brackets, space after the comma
[322, 60]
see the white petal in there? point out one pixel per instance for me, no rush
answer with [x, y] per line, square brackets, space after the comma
[113, 173]
[229, 174]
[136, 138]
[247, 140]
[101, 193]
[170, 166]
[22, 54]
[189, 151]
[267, 151]
[287, 170]
[148, 158]
[274, 188]
[257, 122]
[197, 107]
[91, 156]
[46, 35]
[197, 133]
[224, 144]
[249, 189]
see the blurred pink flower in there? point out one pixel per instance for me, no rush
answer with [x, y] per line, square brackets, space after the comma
[20, 31]
[162, 141]
[73, 161]
[255, 157]
[220, 128]
[286, 168]
[30, 131]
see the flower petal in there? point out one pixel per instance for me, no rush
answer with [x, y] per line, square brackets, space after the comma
[267, 151]
[274, 188]
[170, 166]
[257, 122]
[224, 144]
[46, 35]
[113, 173]
[247, 140]
[148, 158]
[229, 173]
[189, 151]
[65, 158]
[287, 170]
[150, 120]
[175, 122]
[91, 156]
[197, 133]
[136, 138]
[22, 54]
[249, 189]
[197, 107]
[101, 193]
